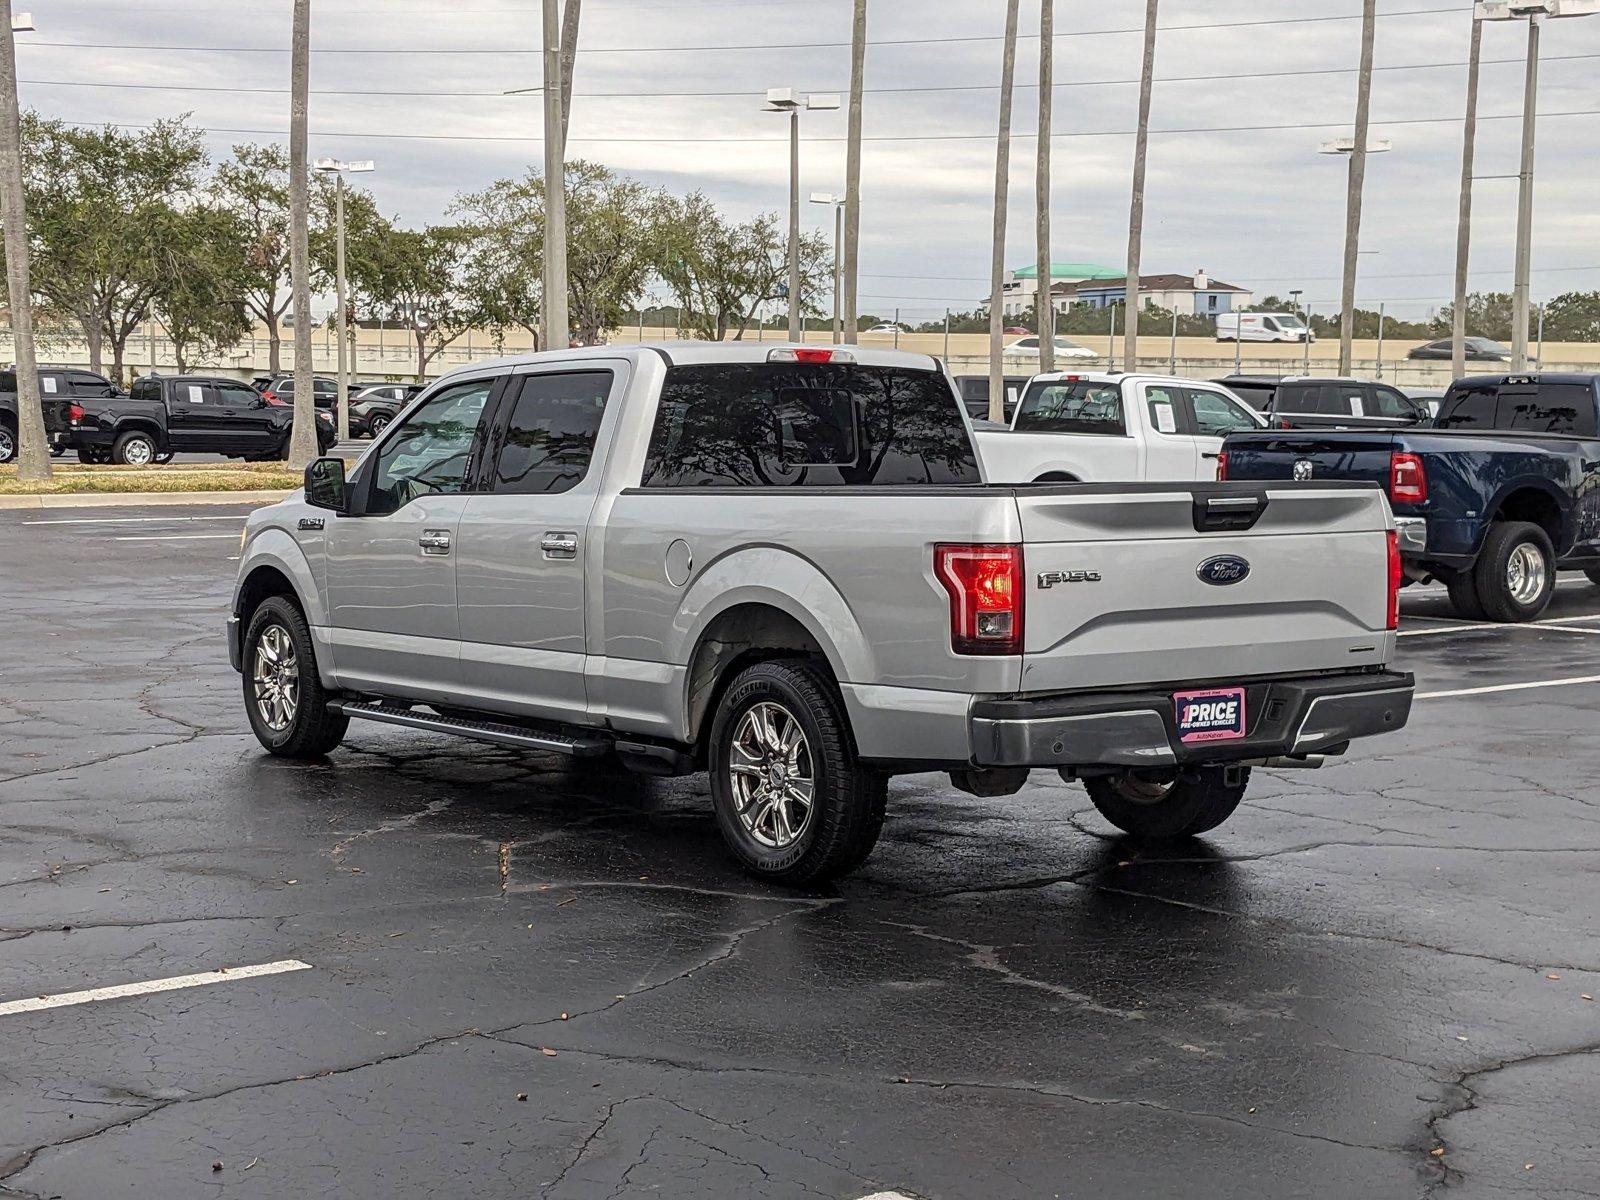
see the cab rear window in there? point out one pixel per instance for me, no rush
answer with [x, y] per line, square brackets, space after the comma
[1071, 406]
[815, 424]
[1522, 407]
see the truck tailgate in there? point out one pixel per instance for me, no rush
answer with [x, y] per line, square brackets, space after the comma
[1330, 454]
[1116, 598]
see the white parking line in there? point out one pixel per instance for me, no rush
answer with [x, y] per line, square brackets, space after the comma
[1508, 687]
[1563, 628]
[179, 537]
[130, 520]
[172, 984]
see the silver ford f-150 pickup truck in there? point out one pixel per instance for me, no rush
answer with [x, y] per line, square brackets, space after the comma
[783, 566]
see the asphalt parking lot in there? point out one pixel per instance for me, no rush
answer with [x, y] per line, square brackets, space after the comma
[485, 974]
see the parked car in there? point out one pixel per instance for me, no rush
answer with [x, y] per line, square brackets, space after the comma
[1334, 402]
[1475, 349]
[974, 390]
[280, 390]
[377, 404]
[1494, 498]
[168, 414]
[1110, 427]
[59, 387]
[807, 587]
[260, 382]
[1263, 327]
[1028, 347]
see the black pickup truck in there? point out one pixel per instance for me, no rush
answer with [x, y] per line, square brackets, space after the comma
[1333, 402]
[172, 414]
[1496, 495]
[59, 388]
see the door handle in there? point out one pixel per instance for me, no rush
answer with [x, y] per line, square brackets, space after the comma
[1211, 454]
[435, 541]
[558, 544]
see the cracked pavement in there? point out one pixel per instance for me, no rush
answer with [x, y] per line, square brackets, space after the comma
[1367, 964]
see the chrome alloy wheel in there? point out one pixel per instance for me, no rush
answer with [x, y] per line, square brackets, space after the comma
[8, 445]
[1525, 573]
[139, 453]
[771, 775]
[276, 675]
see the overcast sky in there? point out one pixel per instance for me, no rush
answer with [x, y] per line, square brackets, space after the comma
[1256, 207]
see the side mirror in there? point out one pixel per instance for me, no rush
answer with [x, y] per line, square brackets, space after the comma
[325, 487]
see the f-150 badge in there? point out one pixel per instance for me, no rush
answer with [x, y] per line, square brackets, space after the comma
[1049, 579]
[310, 522]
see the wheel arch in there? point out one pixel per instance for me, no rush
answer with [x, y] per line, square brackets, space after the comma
[275, 566]
[140, 425]
[1539, 502]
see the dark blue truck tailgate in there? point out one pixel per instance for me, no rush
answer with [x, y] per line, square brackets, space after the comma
[1361, 454]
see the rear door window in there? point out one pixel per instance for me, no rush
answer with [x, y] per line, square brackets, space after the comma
[549, 436]
[1072, 406]
[1298, 398]
[1470, 407]
[819, 424]
[1387, 402]
[1166, 411]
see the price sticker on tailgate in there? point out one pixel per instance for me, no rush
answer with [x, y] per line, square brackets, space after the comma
[1214, 715]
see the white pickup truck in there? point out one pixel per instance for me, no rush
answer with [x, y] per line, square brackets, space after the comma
[1077, 427]
[782, 565]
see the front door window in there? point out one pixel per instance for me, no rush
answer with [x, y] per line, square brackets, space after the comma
[431, 452]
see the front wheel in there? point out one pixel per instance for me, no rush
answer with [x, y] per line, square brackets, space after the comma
[283, 695]
[1515, 572]
[793, 801]
[1168, 805]
[8, 444]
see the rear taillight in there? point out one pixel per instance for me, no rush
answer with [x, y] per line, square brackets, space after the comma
[1396, 577]
[1283, 423]
[74, 413]
[1408, 482]
[1222, 466]
[985, 586]
[271, 397]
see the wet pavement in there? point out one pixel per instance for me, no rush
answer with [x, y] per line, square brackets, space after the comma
[528, 980]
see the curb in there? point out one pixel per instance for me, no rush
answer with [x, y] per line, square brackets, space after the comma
[138, 499]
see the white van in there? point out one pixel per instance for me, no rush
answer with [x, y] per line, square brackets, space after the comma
[1262, 327]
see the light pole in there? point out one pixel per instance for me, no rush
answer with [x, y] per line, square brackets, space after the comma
[1469, 137]
[1130, 316]
[303, 448]
[1352, 227]
[33, 454]
[338, 170]
[838, 238]
[554, 304]
[785, 100]
[1534, 12]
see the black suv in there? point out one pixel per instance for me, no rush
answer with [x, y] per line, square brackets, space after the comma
[280, 390]
[1304, 402]
[375, 406]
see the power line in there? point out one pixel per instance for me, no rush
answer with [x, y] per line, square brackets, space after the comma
[911, 137]
[970, 87]
[503, 51]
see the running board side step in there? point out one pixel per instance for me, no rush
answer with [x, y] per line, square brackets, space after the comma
[481, 731]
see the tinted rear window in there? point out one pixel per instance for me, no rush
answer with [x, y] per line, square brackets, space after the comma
[776, 424]
[1075, 406]
[1546, 408]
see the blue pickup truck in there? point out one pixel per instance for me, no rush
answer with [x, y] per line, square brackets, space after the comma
[1493, 497]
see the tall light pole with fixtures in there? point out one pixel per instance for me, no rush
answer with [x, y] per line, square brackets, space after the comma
[1534, 12]
[1352, 232]
[785, 100]
[33, 454]
[838, 238]
[339, 170]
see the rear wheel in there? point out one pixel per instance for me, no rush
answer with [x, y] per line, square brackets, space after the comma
[1515, 572]
[1170, 804]
[1594, 574]
[1464, 597]
[378, 424]
[8, 444]
[283, 696]
[793, 801]
[134, 449]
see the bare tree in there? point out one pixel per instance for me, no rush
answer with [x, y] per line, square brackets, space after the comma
[1357, 179]
[852, 170]
[1141, 141]
[303, 441]
[33, 463]
[1469, 134]
[1002, 179]
[1044, 301]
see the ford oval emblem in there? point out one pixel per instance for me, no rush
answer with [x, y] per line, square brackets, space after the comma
[1223, 569]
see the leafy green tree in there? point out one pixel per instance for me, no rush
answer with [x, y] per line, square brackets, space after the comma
[1573, 317]
[204, 273]
[102, 206]
[416, 278]
[1488, 315]
[720, 270]
[612, 235]
[253, 185]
